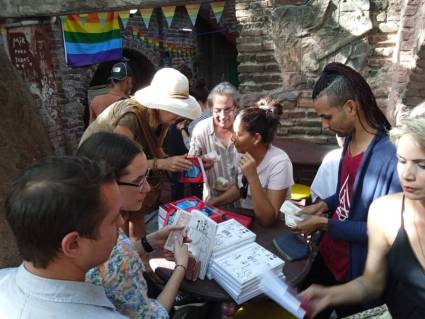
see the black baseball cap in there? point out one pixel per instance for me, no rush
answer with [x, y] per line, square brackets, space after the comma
[120, 71]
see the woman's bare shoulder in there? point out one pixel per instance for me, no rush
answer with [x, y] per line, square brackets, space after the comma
[384, 213]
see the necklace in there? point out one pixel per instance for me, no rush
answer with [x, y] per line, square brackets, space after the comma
[419, 238]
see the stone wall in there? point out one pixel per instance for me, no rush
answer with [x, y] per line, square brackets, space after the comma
[63, 100]
[284, 45]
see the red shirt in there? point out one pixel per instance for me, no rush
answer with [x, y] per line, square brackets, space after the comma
[334, 251]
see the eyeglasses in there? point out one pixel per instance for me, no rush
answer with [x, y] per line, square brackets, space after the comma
[139, 184]
[226, 111]
[243, 191]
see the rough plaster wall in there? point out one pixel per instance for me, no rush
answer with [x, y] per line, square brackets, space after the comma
[23, 140]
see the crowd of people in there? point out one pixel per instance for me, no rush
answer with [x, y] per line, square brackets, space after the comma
[79, 220]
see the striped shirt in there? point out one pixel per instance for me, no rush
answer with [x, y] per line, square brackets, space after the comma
[204, 115]
[204, 141]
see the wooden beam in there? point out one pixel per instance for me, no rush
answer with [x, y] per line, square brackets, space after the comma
[37, 8]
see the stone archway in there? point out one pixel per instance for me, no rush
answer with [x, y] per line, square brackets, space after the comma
[142, 67]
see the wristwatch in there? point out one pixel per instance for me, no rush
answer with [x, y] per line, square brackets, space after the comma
[146, 246]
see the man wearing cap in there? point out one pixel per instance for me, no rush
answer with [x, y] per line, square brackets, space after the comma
[145, 118]
[122, 83]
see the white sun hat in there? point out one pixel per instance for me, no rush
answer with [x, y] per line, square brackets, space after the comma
[169, 91]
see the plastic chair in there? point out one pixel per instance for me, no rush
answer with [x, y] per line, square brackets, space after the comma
[301, 194]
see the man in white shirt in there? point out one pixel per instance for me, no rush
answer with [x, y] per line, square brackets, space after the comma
[65, 214]
[214, 134]
[326, 179]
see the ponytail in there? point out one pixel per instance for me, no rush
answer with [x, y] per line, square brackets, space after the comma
[262, 120]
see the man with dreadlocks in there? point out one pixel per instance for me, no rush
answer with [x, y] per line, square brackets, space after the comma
[367, 170]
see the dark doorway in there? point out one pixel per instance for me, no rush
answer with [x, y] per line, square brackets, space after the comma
[143, 70]
[216, 60]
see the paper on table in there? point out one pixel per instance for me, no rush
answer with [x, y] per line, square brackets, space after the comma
[278, 290]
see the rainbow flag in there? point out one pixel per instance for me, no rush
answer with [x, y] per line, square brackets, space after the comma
[94, 41]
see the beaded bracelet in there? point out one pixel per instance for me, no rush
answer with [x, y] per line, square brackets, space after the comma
[180, 266]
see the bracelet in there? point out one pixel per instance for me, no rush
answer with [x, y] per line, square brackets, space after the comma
[155, 164]
[180, 266]
[146, 246]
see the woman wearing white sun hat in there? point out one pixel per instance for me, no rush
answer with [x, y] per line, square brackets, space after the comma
[145, 118]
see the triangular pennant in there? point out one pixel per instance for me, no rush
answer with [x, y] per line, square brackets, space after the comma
[124, 17]
[217, 8]
[92, 18]
[192, 11]
[169, 14]
[83, 18]
[102, 17]
[146, 15]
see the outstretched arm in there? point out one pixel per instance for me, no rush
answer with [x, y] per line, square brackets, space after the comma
[365, 288]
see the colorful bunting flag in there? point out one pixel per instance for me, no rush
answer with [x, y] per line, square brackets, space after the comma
[102, 17]
[92, 42]
[146, 15]
[217, 8]
[83, 18]
[192, 11]
[124, 17]
[169, 14]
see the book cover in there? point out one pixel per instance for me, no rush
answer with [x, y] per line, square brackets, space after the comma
[196, 174]
[231, 235]
[201, 231]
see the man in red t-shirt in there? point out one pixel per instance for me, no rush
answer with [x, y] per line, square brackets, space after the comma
[122, 81]
[346, 105]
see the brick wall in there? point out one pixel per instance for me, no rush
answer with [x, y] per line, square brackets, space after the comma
[394, 64]
[393, 67]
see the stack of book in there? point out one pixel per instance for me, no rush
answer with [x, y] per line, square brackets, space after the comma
[239, 270]
[230, 236]
[237, 262]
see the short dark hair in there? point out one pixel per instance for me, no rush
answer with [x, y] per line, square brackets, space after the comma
[263, 121]
[117, 150]
[51, 199]
[341, 83]
[200, 91]
[185, 70]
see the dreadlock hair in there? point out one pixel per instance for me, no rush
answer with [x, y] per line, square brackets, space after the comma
[341, 83]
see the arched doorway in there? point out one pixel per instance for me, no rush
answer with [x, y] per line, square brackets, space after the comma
[216, 60]
[143, 70]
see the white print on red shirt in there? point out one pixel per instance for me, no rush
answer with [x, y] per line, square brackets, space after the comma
[344, 201]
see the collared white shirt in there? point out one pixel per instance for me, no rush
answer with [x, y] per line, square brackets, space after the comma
[24, 295]
[204, 141]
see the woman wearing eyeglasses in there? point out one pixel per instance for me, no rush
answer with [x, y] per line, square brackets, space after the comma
[265, 170]
[122, 274]
[145, 118]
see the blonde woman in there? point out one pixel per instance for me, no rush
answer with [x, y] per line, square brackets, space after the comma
[395, 265]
